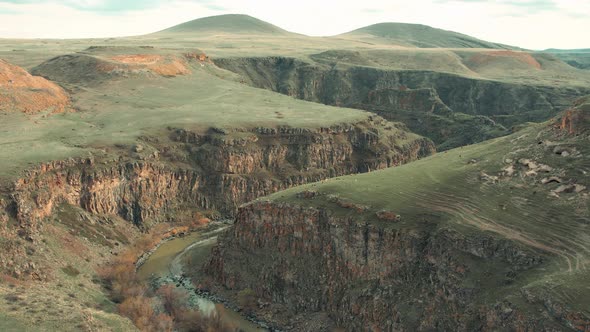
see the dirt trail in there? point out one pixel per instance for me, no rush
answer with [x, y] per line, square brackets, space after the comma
[467, 213]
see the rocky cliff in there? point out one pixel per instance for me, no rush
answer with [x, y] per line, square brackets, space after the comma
[219, 170]
[489, 237]
[486, 107]
[374, 277]
[576, 120]
[371, 277]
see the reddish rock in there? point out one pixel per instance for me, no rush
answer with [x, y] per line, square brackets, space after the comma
[226, 173]
[22, 92]
[575, 121]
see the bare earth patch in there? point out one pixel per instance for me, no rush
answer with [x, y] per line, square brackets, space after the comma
[159, 64]
[22, 92]
[492, 57]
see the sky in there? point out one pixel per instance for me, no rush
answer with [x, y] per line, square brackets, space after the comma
[532, 24]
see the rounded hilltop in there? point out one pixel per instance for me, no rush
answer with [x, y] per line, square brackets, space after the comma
[421, 36]
[230, 23]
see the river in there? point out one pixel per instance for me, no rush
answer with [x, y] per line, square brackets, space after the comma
[167, 263]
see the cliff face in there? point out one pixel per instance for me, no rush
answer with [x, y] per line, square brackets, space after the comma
[576, 120]
[217, 171]
[430, 246]
[375, 277]
[503, 104]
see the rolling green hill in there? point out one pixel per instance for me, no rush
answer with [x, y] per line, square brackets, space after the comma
[421, 36]
[232, 23]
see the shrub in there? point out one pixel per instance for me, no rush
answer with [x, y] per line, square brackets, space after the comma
[173, 300]
[70, 270]
[120, 278]
[388, 216]
[140, 310]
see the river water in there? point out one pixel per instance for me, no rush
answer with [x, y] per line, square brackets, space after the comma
[167, 262]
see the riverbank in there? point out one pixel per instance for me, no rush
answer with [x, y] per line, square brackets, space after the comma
[206, 301]
[164, 265]
[183, 239]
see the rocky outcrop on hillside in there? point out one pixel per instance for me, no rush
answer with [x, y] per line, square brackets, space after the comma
[374, 277]
[485, 107]
[217, 171]
[22, 92]
[92, 67]
[576, 120]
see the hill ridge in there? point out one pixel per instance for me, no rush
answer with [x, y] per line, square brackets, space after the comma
[423, 36]
[234, 23]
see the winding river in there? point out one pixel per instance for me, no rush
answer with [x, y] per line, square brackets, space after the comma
[167, 262]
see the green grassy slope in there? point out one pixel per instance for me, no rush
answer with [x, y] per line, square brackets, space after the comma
[488, 188]
[244, 36]
[422, 36]
[578, 58]
[117, 111]
[210, 96]
[232, 23]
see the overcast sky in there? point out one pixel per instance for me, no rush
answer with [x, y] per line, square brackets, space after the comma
[534, 24]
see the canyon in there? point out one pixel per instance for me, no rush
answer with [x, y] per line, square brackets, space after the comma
[451, 109]
[453, 261]
[215, 171]
[324, 157]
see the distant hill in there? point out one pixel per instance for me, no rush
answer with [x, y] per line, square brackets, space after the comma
[232, 23]
[555, 50]
[578, 58]
[422, 36]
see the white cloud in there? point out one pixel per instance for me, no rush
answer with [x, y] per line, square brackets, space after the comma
[508, 21]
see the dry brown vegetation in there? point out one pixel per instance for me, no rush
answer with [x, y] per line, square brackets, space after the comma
[388, 216]
[165, 310]
[247, 300]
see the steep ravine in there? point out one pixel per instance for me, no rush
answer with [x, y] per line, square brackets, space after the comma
[430, 246]
[167, 179]
[374, 277]
[450, 109]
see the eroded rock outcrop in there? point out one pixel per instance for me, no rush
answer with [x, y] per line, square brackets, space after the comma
[577, 119]
[474, 109]
[388, 260]
[93, 67]
[211, 171]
